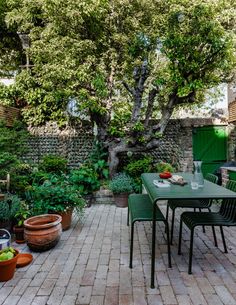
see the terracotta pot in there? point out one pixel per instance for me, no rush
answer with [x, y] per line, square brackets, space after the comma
[19, 234]
[7, 268]
[66, 219]
[43, 232]
[121, 200]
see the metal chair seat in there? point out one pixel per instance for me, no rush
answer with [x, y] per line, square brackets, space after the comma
[140, 208]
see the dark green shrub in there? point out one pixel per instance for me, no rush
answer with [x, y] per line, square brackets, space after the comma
[53, 164]
[137, 167]
[85, 179]
[13, 140]
[5, 213]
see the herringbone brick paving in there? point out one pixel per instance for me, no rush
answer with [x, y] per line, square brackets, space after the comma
[90, 266]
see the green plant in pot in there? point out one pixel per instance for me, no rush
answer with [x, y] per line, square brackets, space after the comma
[121, 185]
[20, 216]
[57, 195]
[8, 259]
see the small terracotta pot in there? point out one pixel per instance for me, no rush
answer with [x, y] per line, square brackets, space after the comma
[19, 234]
[7, 268]
[43, 232]
[66, 219]
[121, 200]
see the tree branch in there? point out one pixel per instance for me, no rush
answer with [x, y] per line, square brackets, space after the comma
[128, 88]
[151, 97]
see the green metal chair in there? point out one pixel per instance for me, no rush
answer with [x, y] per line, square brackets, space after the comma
[225, 217]
[194, 204]
[140, 208]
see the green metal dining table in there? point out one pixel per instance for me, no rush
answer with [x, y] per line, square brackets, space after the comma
[208, 191]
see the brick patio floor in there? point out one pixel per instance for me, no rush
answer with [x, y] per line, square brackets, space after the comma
[90, 266]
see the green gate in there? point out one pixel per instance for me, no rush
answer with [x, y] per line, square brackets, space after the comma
[210, 146]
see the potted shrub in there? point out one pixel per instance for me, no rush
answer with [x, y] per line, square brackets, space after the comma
[56, 195]
[20, 216]
[8, 259]
[121, 185]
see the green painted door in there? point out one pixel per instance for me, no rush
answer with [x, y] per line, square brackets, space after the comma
[210, 146]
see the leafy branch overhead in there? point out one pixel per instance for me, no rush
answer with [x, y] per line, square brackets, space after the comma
[127, 63]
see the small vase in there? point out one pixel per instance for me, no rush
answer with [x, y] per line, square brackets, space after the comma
[19, 234]
[198, 176]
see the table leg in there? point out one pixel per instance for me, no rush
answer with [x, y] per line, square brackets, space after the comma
[153, 246]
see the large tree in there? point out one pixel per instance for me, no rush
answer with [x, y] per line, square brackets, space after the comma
[125, 62]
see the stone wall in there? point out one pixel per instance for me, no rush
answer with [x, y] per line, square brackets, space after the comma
[75, 144]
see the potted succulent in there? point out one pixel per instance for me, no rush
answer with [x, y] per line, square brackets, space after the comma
[20, 216]
[56, 195]
[121, 185]
[8, 259]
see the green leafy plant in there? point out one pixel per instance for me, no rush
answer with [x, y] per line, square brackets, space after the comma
[53, 164]
[56, 194]
[5, 213]
[136, 168]
[121, 183]
[22, 213]
[164, 167]
[85, 179]
[98, 160]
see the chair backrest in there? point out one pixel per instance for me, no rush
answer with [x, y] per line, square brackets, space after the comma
[228, 206]
[212, 178]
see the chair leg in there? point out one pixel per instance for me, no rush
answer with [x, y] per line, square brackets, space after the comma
[223, 239]
[180, 236]
[168, 243]
[167, 214]
[131, 246]
[203, 227]
[172, 226]
[191, 252]
[214, 235]
[128, 216]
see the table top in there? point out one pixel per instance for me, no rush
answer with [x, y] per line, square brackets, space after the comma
[209, 190]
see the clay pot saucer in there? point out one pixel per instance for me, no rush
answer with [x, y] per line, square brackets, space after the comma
[24, 259]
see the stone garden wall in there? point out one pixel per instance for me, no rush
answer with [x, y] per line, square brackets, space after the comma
[75, 144]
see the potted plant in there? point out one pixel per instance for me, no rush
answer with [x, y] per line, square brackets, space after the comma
[8, 259]
[121, 185]
[20, 216]
[57, 195]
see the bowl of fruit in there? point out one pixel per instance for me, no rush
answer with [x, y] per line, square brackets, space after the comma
[8, 259]
[165, 175]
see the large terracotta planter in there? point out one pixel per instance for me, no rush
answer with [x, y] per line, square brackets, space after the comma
[66, 219]
[121, 200]
[43, 232]
[7, 268]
